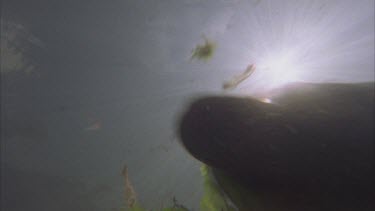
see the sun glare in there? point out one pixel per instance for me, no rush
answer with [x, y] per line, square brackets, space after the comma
[278, 68]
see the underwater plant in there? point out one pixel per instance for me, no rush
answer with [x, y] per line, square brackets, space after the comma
[131, 198]
[205, 51]
[220, 193]
[213, 198]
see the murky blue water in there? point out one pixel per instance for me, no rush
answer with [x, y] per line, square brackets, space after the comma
[90, 86]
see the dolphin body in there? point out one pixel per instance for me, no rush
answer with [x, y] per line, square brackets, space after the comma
[311, 149]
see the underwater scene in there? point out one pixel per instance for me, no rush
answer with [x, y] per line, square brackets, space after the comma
[187, 105]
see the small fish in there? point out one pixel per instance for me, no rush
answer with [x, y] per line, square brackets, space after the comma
[95, 126]
[130, 195]
[240, 78]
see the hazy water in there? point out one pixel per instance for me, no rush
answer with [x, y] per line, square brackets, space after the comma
[90, 86]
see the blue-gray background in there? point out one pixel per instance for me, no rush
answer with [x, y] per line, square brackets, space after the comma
[89, 86]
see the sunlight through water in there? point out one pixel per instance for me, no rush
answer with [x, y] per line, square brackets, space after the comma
[311, 41]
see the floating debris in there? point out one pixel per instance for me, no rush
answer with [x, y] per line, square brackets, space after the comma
[240, 78]
[205, 51]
